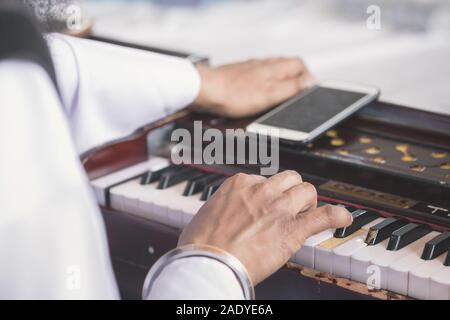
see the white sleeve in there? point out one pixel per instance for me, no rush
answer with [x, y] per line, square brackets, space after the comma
[52, 237]
[196, 278]
[109, 91]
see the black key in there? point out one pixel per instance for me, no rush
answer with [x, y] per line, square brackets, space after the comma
[447, 260]
[402, 237]
[383, 230]
[171, 178]
[199, 183]
[349, 208]
[209, 190]
[153, 176]
[436, 246]
[360, 218]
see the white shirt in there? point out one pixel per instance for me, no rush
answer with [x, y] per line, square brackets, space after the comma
[52, 238]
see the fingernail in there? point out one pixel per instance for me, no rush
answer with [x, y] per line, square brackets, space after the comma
[348, 212]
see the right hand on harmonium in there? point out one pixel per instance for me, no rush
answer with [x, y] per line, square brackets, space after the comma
[262, 221]
[246, 88]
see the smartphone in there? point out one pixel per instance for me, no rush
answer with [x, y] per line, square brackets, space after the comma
[308, 115]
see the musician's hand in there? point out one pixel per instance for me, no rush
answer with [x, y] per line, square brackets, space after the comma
[247, 88]
[262, 221]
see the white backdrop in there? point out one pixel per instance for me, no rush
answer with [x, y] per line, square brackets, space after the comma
[409, 58]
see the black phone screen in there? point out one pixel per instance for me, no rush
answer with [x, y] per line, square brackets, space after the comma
[310, 111]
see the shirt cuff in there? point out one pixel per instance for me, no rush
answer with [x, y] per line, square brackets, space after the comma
[196, 278]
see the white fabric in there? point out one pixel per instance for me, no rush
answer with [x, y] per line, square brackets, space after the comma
[196, 276]
[110, 91]
[52, 238]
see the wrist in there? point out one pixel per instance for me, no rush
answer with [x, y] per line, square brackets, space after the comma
[208, 99]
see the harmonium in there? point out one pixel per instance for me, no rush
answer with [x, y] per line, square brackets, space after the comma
[389, 165]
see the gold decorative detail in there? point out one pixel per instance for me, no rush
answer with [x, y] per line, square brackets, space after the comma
[379, 160]
[445, 166]
[407, 157]
[418, 168]
[438, 154]
[331, 133]
[361, 193]
[372, 150]
[344, 152]
[365, 140]
[402, 148]
[337, 142]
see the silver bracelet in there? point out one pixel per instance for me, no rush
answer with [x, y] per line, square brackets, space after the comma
[201, 251]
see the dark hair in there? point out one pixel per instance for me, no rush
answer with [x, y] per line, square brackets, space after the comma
[50, 13]
[26, 40]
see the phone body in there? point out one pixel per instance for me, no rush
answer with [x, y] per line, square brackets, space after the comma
[306, 116]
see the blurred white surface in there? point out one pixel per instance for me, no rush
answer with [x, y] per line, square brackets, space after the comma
[409, 58]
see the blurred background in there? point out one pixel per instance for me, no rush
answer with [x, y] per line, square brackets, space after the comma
[402, 46]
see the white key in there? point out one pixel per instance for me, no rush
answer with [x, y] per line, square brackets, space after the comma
[323, 259]
[100, 184]
[360, 264]
[324, 253]
[342, 254]
[192, 208]
[124, 196]
[305, 255]
[163, 201]
[132, 194]
[388, 257]
[440, 285]
[153, 203]
[420, 277]
[398, 271]
[167, 206]
[175, 212]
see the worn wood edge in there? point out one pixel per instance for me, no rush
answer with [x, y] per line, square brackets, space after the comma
[350, 285]
[110, 157]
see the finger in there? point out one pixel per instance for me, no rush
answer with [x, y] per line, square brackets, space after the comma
[284, 180]
[326, 217]
[287, 68]
[295, 200]
[303, 197]
[242, 180]
[284, 90]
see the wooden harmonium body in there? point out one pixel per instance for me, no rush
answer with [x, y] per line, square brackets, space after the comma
[389, 165]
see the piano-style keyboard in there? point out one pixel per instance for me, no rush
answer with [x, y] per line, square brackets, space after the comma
[390, 253]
